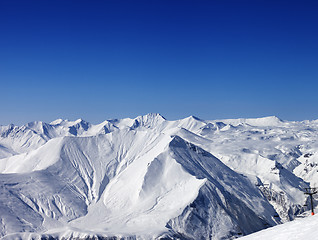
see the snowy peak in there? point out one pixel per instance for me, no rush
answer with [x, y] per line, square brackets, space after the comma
[265, 121]
[149, 121]
[193, 118]
[259, 122]
[223, 188]
[191, 123]
[57, 121]
[67, 122]
[80, 126]
[43, 129]
[155, 116]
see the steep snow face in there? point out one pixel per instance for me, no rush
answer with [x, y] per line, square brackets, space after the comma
[308, 167]
[125, 177]
[142, 198]
[226, 204]
[267, 150]
[267, 154]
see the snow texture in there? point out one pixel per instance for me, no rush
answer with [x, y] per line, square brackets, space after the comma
[148, 177]
[305, 228]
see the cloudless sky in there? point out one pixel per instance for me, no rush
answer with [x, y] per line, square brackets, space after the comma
[214, 59]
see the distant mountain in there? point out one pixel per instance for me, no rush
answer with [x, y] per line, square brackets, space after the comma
[151, 178]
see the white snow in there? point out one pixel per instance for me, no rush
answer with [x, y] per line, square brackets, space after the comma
[304, 228]
[37, 159]
[148, 177]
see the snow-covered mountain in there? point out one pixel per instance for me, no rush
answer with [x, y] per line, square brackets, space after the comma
[148, 177]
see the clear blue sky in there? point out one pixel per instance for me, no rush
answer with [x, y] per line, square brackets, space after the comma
[111, 59]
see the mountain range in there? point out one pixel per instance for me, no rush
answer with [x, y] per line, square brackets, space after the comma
[150, 178]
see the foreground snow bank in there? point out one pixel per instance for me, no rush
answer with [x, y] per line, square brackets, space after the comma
[305, 228]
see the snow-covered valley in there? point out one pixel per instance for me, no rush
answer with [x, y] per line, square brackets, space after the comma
[150, 178]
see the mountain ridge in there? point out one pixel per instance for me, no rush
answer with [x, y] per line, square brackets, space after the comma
[69, 172]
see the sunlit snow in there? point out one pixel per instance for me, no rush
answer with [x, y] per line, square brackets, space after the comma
[149, 177]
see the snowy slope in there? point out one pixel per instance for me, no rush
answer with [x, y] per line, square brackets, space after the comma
[267, 154]
[124, 177]
[137, 187]
[304, 228]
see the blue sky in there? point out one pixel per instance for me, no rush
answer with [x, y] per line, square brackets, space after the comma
[215, 59]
